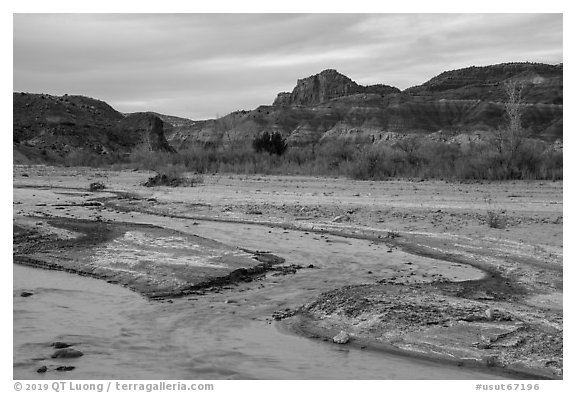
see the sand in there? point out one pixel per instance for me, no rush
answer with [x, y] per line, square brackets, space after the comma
[407, 265]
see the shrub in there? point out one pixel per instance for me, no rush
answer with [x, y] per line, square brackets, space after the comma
[153, 160]
[84, 158]
[172, 176]
[370, 164]
[411, 158]
[496, 220]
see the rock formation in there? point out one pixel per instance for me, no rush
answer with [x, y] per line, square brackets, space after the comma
[144, 130]
[327, 85]
[47, 127]
[323, 107]
[330, 106]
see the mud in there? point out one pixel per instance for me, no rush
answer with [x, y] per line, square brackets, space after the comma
[425, 320]
[431, 280]
[153, 273]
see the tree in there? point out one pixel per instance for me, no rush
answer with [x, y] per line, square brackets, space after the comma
[278, 144]
[410, 145]
[273, 144]
[515, 134]
[509, 139]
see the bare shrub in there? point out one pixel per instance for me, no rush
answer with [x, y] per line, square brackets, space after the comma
[335, 153]
[153, 160]
[172, 176]
[552, 165]
[438, 159]
[410, 145]
[495, 219]
[84, 158]
[371, 163]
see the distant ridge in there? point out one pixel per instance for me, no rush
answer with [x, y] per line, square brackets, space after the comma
[330, 105]
[322, 107]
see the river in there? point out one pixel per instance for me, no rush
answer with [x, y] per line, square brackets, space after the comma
[218, 336]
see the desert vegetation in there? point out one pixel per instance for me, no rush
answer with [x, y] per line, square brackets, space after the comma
[417, 158]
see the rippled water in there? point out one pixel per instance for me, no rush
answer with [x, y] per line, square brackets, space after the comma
[125, 336]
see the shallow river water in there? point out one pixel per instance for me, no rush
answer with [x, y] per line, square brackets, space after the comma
[125, 336]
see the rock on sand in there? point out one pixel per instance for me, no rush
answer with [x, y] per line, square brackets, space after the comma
[341, 338]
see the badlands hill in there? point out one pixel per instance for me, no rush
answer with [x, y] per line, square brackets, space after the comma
[330, 106]
[324, 107]
[46, 128]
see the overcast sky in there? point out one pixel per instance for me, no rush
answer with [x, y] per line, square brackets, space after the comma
[203, 65]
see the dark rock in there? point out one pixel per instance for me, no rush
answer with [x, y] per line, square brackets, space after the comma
[60, 345]
[67, 353]
[26, 294]
[65, 368]
[279, 315]
[96, 186]
[42, 369]
[253, 211]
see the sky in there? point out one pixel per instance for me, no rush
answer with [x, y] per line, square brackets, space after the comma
[203, 66]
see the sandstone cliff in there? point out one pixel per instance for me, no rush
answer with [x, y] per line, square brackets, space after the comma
[327, 85]
[329, 106]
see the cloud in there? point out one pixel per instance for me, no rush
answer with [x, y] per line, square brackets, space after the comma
[197, 65]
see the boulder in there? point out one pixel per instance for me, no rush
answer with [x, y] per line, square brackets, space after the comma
[341, 338]
[67, 353]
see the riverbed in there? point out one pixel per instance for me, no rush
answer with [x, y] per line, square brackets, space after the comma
[331, 233]
[125, 336]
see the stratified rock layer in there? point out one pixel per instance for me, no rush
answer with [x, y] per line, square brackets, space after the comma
[324, 107]
[330, 106]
